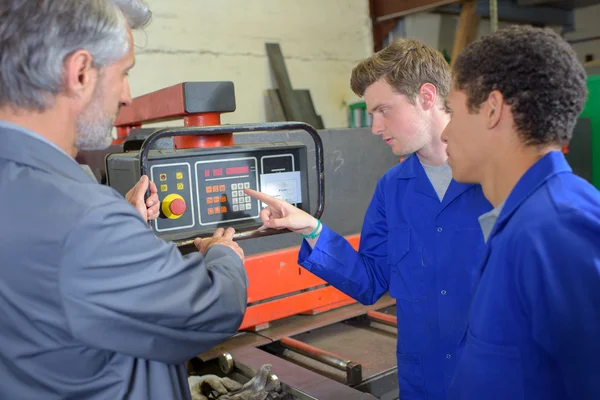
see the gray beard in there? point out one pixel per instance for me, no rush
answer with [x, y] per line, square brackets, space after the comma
[94, 130]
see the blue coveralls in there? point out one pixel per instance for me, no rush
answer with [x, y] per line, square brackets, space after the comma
[534, 327]
[425, 252]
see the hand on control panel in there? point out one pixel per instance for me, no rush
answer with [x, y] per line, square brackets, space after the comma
[281, 215]
[221, 236]
[148, 209]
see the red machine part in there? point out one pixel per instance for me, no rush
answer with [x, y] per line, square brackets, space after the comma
[275, 274]
[166, 105]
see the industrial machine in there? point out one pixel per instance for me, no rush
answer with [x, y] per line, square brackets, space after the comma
[321, 343]
[200, 180]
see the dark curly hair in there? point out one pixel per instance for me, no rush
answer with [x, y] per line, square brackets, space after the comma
[538, 74]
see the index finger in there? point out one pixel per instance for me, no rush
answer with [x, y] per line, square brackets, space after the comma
[265, 198]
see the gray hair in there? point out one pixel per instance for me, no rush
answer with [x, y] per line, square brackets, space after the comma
[37, 36]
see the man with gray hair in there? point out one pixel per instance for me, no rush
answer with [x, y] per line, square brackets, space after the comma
[92, 304]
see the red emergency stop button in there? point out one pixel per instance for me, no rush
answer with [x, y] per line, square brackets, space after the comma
[177, 207]
[173, 206]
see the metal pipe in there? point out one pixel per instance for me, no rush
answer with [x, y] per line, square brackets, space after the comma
[493, 15]
[382, 318]
[583, 40]
[315, 353]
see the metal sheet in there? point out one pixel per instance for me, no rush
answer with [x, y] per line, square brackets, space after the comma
[303, 323]
[295, 325]
[373, 349]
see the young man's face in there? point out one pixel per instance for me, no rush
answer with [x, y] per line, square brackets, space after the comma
[94, 125]
[402, 125]
[468, 139]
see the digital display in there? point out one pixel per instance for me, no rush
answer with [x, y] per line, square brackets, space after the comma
[218, 172]
[237, 170]
[284, 185]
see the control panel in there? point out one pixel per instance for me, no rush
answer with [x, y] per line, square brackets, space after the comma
[221, 185]
[202, 189]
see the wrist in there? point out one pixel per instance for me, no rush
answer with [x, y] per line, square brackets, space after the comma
[314, 233]
[310, 227]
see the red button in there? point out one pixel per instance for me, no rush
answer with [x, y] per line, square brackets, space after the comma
[177, 207]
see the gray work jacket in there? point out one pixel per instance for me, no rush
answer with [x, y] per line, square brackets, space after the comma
[92, 304]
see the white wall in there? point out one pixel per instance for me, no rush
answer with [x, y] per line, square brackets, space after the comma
[211, 40]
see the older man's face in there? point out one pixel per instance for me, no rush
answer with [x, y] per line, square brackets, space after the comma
[94, 125]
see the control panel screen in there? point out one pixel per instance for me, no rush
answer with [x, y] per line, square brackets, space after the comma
[221, 185]
[285, 186]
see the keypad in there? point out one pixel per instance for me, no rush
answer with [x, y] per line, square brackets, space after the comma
[239, 200]
[232, 193]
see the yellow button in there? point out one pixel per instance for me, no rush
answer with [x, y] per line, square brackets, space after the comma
[179, 175]
[179, 186]
[173, 206]
[163, 177]
[164, 188]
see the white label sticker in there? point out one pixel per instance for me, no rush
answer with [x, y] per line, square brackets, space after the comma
[284, 186]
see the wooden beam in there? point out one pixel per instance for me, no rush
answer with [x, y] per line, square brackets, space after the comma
[380, 32]
[390, 9]
[380, 29]
[467, 28]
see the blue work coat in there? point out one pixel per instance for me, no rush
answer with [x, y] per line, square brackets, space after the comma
[425, 253]
[534, 327]
[93, 305]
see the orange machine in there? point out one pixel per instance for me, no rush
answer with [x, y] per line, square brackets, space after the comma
[278, 287]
